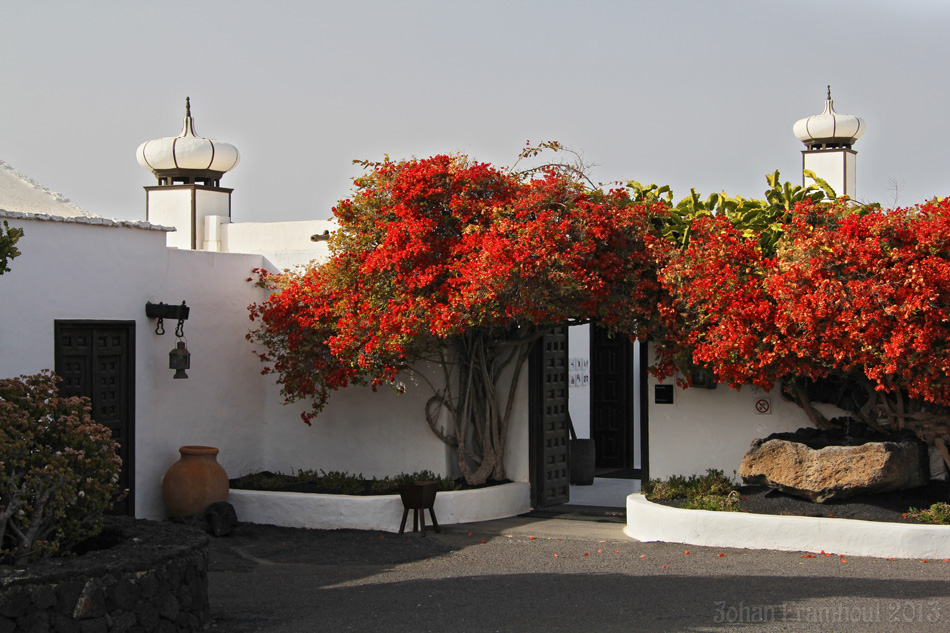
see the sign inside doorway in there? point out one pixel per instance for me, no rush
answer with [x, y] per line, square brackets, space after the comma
[579, 372]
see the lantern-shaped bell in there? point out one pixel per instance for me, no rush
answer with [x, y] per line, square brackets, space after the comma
[179, 359]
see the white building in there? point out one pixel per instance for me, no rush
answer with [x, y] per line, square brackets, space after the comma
[76, 298]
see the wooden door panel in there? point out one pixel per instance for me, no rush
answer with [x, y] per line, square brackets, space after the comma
[549, 414]
[96, 360]
[611, 411]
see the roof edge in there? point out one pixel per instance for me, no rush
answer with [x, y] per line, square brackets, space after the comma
[90, 220]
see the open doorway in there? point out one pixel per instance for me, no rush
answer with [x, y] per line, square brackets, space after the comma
[608, 376]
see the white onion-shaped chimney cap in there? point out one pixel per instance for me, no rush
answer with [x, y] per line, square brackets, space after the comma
[829, 127]
[187, 152]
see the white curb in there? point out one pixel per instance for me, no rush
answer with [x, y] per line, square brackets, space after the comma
[380, 512]
[654, 522]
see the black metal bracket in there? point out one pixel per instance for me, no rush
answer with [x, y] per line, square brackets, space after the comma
[162, 311]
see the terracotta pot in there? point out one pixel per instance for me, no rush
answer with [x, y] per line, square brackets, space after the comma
[194, 482]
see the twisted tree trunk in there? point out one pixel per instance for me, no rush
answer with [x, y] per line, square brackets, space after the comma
[483, 364]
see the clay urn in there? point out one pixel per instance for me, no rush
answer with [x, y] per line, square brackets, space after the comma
[194, 482]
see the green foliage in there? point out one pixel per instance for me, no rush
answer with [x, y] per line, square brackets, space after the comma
[754, 218]
[715, 502]
[938, 513]
[59, 470]
[344, 482]
[700, 490]
[8, 249]
[341, 482]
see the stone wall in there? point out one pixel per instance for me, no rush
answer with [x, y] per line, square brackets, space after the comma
[154, 577]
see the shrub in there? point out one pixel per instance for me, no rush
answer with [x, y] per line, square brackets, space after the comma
[938, 513]
[713, 483]
[59, 470]
[716, 502]
[336, 482]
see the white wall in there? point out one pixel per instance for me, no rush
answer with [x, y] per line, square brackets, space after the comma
[360, 431]
[377, 433]
[578, 347]
[713, 428]
[284, 244]
[105, 271]
[172, 207]
[221, 403]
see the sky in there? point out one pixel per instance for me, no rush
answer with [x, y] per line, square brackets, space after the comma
[694, 94]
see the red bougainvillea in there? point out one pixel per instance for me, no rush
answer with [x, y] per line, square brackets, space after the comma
[854, 292]
[458, 263]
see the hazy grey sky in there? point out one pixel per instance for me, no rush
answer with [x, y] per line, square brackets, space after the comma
[690, 93]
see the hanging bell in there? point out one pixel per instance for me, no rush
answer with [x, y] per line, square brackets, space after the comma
[179, 359]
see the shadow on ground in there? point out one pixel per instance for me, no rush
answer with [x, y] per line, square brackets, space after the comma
[282, 580]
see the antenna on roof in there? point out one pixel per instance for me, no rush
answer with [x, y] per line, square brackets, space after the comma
[188, 105]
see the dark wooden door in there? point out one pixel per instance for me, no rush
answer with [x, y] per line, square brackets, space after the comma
[96, 359]
[611, 401]
[548, 376]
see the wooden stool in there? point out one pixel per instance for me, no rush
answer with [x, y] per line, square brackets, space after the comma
[418, 496]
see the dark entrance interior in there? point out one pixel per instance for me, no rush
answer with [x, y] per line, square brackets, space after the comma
[96, 359]
[611, 404]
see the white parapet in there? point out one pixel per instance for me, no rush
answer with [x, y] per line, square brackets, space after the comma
[380, 512]
[648, 522]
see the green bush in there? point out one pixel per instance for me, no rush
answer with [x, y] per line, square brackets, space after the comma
[938, 513]
[712, 491]
[714, 482]
[336, 482]
[715, 502]
[59, 470]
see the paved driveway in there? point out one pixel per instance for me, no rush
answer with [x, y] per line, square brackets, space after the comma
[573, 576]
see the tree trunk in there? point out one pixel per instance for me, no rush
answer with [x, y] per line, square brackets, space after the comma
[472, 397]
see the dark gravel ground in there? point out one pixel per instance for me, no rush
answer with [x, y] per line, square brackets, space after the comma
[889, 507]
[472, 579]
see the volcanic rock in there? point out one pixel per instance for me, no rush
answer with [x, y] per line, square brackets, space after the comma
[835, 472]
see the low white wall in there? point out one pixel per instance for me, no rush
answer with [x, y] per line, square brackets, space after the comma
[382, 512]
[713, 428]
[650, 522]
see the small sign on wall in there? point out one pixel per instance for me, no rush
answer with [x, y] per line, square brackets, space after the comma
[763, 406]
[663, 394]
[578, 372]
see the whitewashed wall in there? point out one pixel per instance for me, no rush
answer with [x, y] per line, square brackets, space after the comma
[376, 433]
[713, 428]
[107, 271]
[284, 244]
[578, 348]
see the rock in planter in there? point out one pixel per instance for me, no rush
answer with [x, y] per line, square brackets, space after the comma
[835, 472]
[219, 519]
